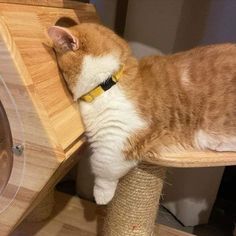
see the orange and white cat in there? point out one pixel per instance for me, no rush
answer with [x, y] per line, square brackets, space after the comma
[160, 103]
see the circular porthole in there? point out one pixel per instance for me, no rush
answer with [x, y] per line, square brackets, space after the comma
[6, 155]
[11, 146]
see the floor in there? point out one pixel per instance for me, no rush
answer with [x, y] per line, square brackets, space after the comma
[220, 223]
[71, 218]
[75, 217]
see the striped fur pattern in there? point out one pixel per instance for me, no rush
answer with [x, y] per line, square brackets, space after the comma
[161, 104]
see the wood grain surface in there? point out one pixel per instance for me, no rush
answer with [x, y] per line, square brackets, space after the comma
[73, 4]
[195, 158]
[40, 110]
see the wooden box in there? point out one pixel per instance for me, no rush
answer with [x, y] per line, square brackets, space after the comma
[42, 117]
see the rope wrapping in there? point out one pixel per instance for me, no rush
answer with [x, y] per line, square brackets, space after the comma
[134, 207]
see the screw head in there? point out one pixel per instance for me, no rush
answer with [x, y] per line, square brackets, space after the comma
[18, 149]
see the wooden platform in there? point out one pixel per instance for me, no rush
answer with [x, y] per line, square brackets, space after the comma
[75, 217]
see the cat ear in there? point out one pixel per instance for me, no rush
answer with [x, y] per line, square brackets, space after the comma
[63, 38]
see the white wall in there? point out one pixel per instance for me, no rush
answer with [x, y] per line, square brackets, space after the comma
[106, 10]
[192, 24]
[153, 22]
[220, 25]
[174, 25]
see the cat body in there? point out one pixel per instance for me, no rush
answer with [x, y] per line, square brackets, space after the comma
[160, 104]
[109, 120]
[189, 99]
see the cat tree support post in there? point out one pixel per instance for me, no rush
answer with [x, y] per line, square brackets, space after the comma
[134, 207]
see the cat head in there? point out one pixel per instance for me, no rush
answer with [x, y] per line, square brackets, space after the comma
[87, 55]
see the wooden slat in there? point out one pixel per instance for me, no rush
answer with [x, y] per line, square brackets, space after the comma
[50, 3]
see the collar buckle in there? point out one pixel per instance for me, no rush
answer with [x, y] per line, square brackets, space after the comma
[90, 96]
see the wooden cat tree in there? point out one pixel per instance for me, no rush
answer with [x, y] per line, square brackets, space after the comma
[45, 129]
[44, 122]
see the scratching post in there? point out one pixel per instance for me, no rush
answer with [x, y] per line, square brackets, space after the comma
[134, 207]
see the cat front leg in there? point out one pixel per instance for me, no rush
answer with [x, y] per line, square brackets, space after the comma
[108, 170]
[104, 190]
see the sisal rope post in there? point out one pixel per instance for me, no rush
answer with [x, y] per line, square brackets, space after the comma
[43, 210]
[133, 209]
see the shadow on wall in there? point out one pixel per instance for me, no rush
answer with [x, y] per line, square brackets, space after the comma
[205, 22]
[192, 24]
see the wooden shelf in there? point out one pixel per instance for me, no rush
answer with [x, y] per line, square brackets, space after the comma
[75, 217]
[194, 158]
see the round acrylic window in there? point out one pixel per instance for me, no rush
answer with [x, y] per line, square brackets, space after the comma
[11, 147]
[6, 155]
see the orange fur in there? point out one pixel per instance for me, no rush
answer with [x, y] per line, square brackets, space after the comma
[92, 41]
[176, 109]
[176, 94]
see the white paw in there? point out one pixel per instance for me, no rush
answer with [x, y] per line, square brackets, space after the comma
[103, 195]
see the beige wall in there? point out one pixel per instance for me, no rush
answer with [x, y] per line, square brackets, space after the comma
[153, 22]
[106, 10]
[220, 24]
[192, 24]
[205, 22]
[174, 25]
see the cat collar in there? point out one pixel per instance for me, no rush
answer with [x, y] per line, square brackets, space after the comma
[101, 88]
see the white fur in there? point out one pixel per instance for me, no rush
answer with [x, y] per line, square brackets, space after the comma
[185, 78]
[94, 71]
[215, 142]
[109, 120]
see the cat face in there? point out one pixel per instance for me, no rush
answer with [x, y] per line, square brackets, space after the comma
[86, 53]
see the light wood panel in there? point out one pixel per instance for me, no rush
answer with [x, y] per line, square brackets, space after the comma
[75, 217]
[195, 158]
[40, 110]
[52, 3]
[26, 26]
